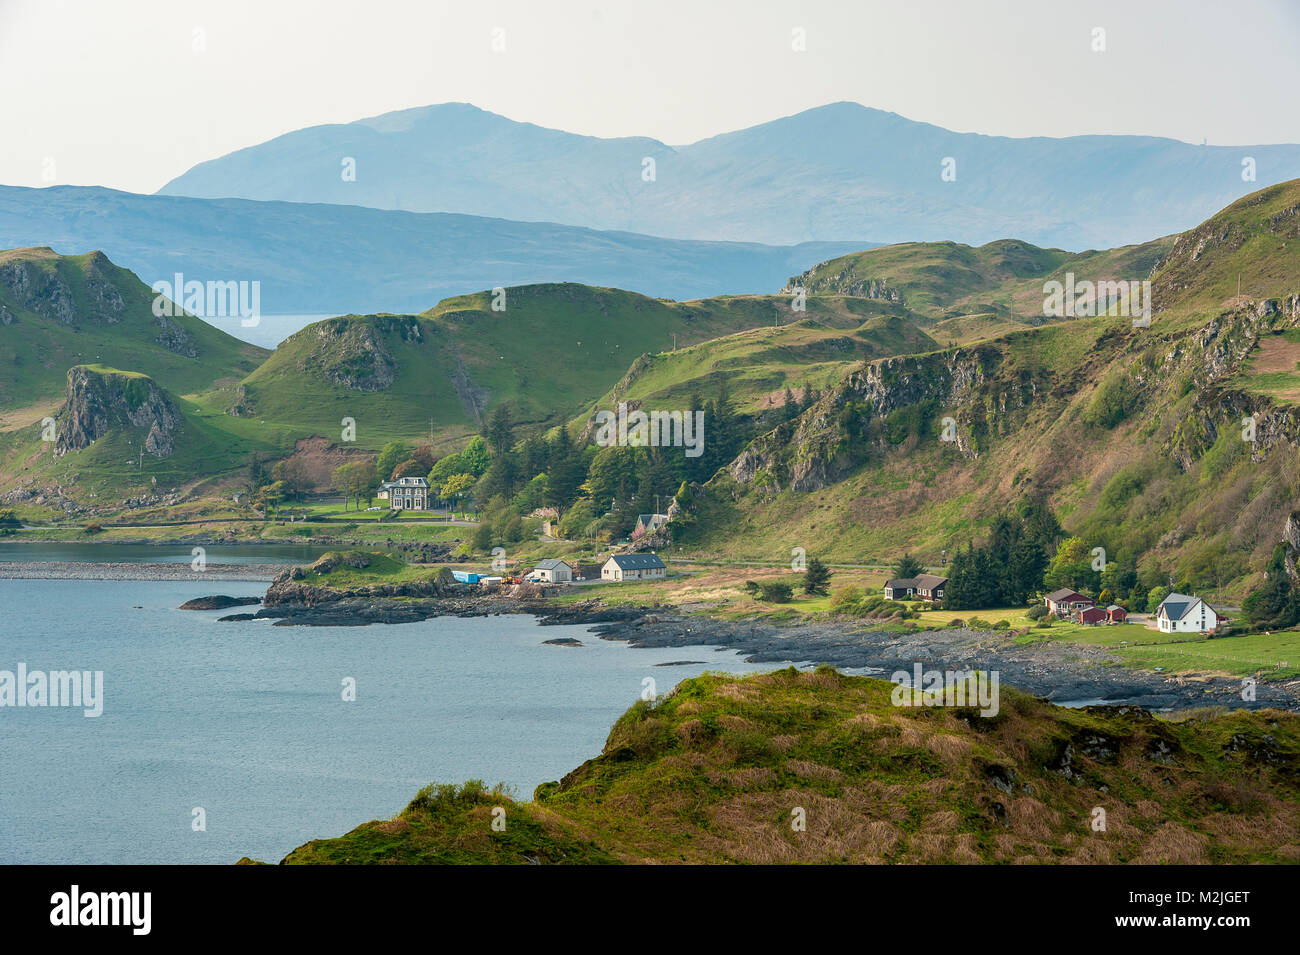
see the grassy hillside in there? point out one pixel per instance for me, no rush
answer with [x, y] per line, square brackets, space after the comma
[1133, 434]
[552, 351]
[974, 292]
[121, 438]
[58, 311]
[760, 363]
[1251, 248]
[719, 770]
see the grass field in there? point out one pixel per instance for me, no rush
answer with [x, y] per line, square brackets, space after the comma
[1271, 655]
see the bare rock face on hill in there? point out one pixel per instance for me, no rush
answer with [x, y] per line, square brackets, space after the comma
[38, 290]
[100, 401]
[44, 291]
[355, 354]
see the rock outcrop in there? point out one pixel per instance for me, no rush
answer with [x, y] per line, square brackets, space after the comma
[100, 401]
[354, 353]
[835, 435]
[38, 290]
[39, 287]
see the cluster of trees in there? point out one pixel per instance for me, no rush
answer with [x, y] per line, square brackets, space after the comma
[357, 481]
[509, 471]
[450, 477]
[598, 492]
[1275, 604]
[271, 484]
[1010, 568]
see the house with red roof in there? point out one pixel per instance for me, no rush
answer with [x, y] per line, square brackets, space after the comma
[1066, 602]
[1091, 616]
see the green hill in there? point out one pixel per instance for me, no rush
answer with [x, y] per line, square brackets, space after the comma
[1251, 248]
[760, 363]
[723, 769]
[57, 311]
[1133, 435]
[973, 292]
[552, 351]
[120, 436]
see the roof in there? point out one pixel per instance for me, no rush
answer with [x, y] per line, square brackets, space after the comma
[551, 563]
[408, 481]
[1113, 607]
[924, 581]
[647, 518]
[1056, 596]
[1087, 610]
[637, 561]
[1176, 606]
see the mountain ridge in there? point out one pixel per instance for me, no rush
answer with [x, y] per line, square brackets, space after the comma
[832, 172]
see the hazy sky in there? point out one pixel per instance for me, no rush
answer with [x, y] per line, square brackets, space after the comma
[130, 93]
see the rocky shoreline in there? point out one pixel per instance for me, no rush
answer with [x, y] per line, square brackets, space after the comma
[1061, 673]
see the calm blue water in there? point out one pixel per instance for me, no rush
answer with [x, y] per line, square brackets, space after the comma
[246, 720]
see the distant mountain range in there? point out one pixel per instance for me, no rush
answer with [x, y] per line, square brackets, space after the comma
[837, 172]
[334, 259]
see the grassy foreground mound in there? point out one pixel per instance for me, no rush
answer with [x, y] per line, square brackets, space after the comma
[721, 768]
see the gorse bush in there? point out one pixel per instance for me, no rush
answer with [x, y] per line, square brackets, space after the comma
[1112, 402]
[444, 796]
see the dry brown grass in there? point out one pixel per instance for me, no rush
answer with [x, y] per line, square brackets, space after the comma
[756, 828]
[953, 750]
[1172, 844]
[1274, 354]
[755, 777]
[810, 770]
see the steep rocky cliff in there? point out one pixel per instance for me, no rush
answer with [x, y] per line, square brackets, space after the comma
[101, 400]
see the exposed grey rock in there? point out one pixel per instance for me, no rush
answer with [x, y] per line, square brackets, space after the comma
[98, 403]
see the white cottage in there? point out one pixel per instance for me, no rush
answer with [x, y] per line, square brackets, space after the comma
[633, 567]
[552, 571]
[1182, 613]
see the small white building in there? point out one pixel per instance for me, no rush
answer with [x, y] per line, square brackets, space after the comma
[552, 571]
[633, 567]
[1183, 613]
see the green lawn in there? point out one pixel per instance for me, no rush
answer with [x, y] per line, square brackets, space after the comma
[1273, 655]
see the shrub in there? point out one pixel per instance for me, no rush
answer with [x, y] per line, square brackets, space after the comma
[546, 790]
[1002, 625]
[437, 796]
[843, 599]
[1036, 612]
[1112, 402]
[93, 528]
[775, 591]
